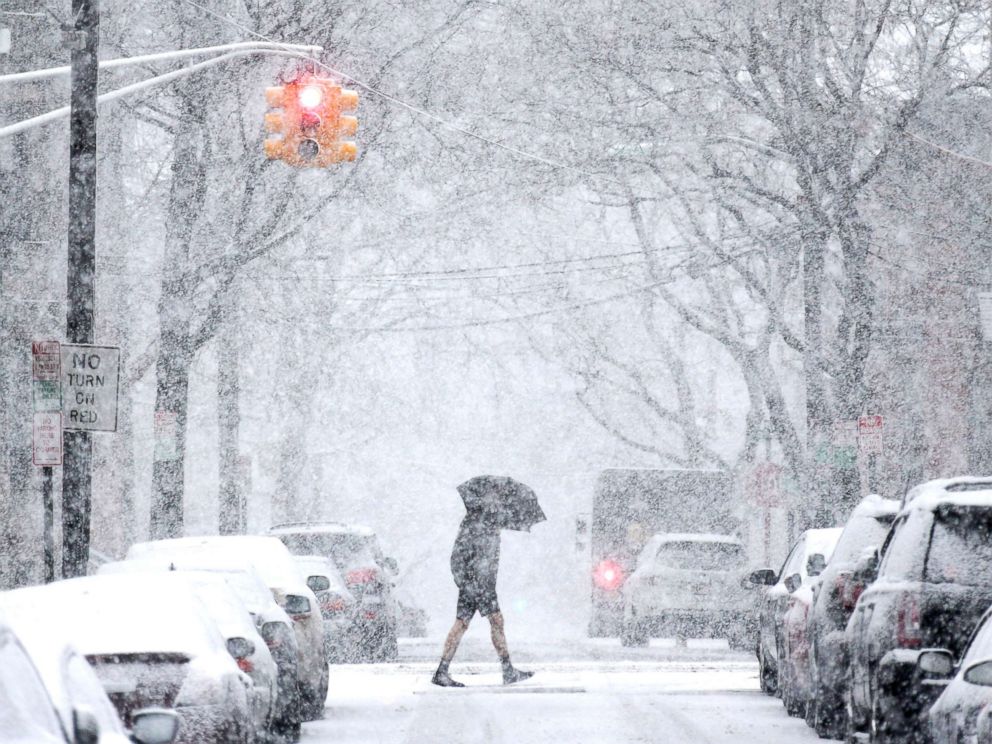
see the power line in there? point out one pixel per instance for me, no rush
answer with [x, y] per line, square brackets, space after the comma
[947, 150]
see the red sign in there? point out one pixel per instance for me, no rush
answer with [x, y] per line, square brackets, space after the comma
[47, 361]
[870, 434]
[763, 486]
[47, 431]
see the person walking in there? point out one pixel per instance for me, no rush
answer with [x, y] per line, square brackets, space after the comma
[492, 503]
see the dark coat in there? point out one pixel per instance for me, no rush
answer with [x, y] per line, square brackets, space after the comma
[475, 557]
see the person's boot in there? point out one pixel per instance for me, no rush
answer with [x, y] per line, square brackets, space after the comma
[442, 678]
[512, 675]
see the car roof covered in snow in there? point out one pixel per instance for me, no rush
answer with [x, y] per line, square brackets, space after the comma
[661, 538]
[313, 565]
[963, 491]
[267, 555]
[822, 540]
[122, 614]
[874, 505]
[324, 528]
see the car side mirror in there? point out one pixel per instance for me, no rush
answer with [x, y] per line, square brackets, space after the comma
[936, 664]
[318, 583]
[391, 565]
[240, 648]
[154, 726]
[866, 569]
[979, 674]
[763, 577]
[85, 727]
[793, 582]
[815, 564]
[296, 605]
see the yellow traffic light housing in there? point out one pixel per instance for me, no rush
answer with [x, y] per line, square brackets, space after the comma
[311, 123]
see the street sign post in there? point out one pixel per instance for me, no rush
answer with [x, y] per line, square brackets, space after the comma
[46, 434]
[90, 378]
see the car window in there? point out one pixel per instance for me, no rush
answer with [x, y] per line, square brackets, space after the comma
[700, 555]
[84, 688]
[903, 558]
[961, 547]
[26, 714]
[794, 561]
[980, 645]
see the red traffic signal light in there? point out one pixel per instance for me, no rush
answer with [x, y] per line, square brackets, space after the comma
[311, 123]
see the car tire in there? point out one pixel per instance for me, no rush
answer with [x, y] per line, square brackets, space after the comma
[767, 678]
[633, 634]
[878, 732]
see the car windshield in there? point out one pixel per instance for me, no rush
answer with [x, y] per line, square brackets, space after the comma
[345, 549]
[703, 556]
[961, 547]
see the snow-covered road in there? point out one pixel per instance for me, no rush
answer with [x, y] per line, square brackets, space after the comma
[664, 696]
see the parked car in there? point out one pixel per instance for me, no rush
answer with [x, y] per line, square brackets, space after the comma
[688, 585]
[78, 697]
[337, 605]
[933, 586]
[368, 574]
[807, 558]
[822, 679]
[273, 624]
[239, 630]
[967, 696]
[151, 646]
[273, 562]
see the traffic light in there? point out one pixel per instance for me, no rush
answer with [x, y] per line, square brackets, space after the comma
[311, 123]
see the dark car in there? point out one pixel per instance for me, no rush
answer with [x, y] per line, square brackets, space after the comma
[807, 558]
[838, 592]
[933, 585]
[368, 575]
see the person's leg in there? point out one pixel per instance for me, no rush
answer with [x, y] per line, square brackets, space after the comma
[442, 677]
[498, 634]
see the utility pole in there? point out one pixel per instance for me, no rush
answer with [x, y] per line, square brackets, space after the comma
[84, 40]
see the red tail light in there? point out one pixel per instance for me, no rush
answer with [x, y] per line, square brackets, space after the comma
[361, 576]
[333, 603]
[245, 665]
[608, 575]
[848, 590]
[370, 614]
[908, 631]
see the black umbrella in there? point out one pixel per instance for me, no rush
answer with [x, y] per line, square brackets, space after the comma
[512, 504]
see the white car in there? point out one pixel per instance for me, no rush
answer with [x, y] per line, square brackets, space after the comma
[274, 625]
[152, 644]
[688, 585]
[273, 562]
[76, 694]
[238, 628]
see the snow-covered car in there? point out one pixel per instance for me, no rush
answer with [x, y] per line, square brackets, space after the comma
[77, 695]
[152, 644]
[367, 573]
[933, 587]
[239, 630]
[838, 591]
[807, 558]
[273, 624]
[411, 621]
[967, 697]
[337, 605]
[275, 565]
[688, 585]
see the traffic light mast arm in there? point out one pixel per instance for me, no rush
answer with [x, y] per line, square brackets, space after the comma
[109, 64]
[127, 90]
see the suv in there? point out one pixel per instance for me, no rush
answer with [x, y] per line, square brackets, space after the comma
[368, 574]
[687, 583]
[933, 586]
[839, 589]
